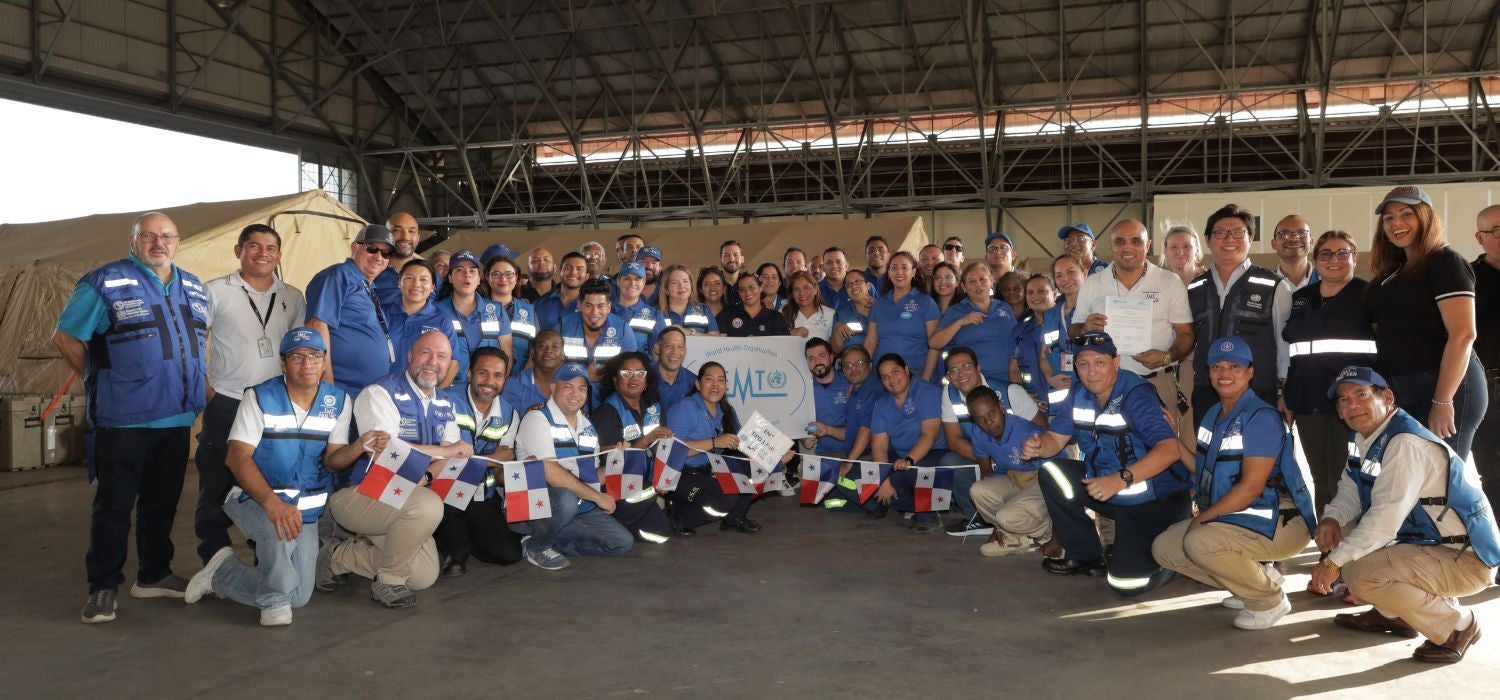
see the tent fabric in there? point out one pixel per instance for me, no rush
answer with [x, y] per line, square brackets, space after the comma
[698, 246]
[47, 259]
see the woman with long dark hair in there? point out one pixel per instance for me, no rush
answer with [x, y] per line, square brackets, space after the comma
[482, 323]
[630, 415]
[706, 422]
[498, 284]
[711, 289]
[772, 286]
[903, 319]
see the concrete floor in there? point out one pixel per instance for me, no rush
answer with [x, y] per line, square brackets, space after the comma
[820, 605]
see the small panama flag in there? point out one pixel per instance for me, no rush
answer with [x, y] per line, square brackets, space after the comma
[818, 478]
[585, 467]
[459, 482]
[395, 473]
[871, 476]
[733, 474]
[625, 475]
[934, 490]
[666, 466]
[526, 491]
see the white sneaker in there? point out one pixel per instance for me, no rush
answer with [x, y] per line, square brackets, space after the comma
[1251, 620]
[202, 583]
[276, 617]
[1009, 545]
[1233, 603]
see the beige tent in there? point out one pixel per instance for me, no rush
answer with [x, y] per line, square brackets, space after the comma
[698, 246]
[44, 261]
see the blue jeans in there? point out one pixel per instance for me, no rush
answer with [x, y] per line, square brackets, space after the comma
[286, 572]
[572, 533]
[962, 480]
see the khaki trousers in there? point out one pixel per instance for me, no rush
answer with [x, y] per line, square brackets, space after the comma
[396, 546]
[1230, 556]
[1419, 584]
[1013, 502]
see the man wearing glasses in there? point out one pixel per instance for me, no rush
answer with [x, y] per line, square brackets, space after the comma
[1291, 242]
[343, 307]
[999, 254]
[135, 329]
[1487, 346]
[1234, 297]
[953, 251]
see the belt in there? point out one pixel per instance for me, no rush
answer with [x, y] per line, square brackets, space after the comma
[1492, 374]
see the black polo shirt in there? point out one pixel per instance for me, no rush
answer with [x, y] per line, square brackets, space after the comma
[1487, 313]
[1409, 330]
[734, 322]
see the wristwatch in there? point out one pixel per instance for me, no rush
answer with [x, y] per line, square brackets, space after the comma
[1127, 477]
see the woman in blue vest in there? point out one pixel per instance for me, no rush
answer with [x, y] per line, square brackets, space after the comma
[1253, 506]
[903, 319]
[906, 430]
[851, 320]
[630, 416]
[478, 322]
[1327, 329]
[1041, 299]
[981, 322]
[679, 309]
[415, 312]
[1068, 274]
[499, 285]
[706, 422]
[638, 313]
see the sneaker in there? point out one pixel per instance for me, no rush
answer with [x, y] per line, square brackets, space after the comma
[1233, 603]
[392, 595]
[202, 582]
[1252, 620]
[1008, 545]
[326, 580]
[168, 586]
[975, 525]
[547, 559]
[276, 617]
[100, 608]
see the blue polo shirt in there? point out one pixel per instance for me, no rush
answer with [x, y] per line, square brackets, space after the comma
[672, 393]
[339, 296]
[475, 330]
[831, 297]
[388, 284]
[902, 325]
[1005, 452]
[521, 391]
[858, 323]
[993, 341]
[86, 316]
[903, 423]
[1143, 418]
[689, 420]
[861, 411]
[831, 407]
[405, 328]
[550, 310]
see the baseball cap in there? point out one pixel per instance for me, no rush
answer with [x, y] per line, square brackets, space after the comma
[632, 268]
[1232, 348]
[1405, 194]
[1097, 341]
[570, 371]
[1063, 232]
[1000, 236]
[375, 233]
[495, 251]
[461, 257]
[649, 251]
[302, 337]
[1353, 374]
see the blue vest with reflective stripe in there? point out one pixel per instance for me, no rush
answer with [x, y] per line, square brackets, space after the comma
[564, 445]
[523, 330]
[149, 363]
[417, 427]
[290, 456]
[484, 436]
[1463, 498]
[641, 318]
[1109, 444]
[1220, 458]
[694, 318]
[633, 428]
[576, 347]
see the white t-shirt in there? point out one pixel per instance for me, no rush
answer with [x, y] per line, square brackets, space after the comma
[819, 325]
[376, 410]
[1022, 405]
[534, 440]
[235, 357]
[250, 422]
[1165, 289]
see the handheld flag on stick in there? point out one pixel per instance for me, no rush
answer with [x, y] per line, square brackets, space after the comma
[459, 482]
[395, 473]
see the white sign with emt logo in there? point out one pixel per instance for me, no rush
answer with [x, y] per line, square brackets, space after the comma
[766, 375]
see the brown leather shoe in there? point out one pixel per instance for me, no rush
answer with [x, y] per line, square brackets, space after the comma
[1451, 651]
[1052, 549]
[1372, 621]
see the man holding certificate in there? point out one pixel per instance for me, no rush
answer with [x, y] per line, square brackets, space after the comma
[1144, 308]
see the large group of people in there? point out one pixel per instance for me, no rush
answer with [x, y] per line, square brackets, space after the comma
[1239, 414]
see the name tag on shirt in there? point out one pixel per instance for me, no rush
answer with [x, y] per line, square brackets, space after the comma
[264, 346]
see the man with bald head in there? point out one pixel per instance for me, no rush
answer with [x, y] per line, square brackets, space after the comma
[407, 235]
[136, 330]
[539, 281]
[1487, 345]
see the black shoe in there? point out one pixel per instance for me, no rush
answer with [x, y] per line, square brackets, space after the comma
[1068, 567]
[740, 525]
[453, 567]
[684, 531]
[878, 512]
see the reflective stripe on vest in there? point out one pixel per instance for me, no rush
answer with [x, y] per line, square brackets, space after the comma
[525, 330]
[1263, 281]
[644, 325]
[1343, 346]
[1128, 584]
[1057, 396]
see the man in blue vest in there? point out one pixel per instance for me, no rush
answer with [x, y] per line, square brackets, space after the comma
[1411, 488]
[489, 423]
[290, 434]
[1131, 473]
[591, 335]
[343, 306]
[135, 330]
[397, 551]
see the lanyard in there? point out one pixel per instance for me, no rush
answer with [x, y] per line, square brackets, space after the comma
[270, 309]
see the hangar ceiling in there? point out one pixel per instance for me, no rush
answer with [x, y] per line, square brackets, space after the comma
[535, 112]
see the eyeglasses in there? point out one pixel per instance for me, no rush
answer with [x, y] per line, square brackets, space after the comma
[954, 246]
[1343, 254]
[377, 250]
[1237, 234]
[632, 374]
[502, 275]
[163, 237]
[856, 363]
[1492, 231]
[300, 358]
[1287, 234]
[955, 370]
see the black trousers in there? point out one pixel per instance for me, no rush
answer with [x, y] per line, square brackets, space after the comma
[210, 523]
[1136, 526]
[700, 500]
[141, 470]
[646, 520]
[1487, 445]
[479, 531]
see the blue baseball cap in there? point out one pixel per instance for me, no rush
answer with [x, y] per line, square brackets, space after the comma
[569, 372]
[1063, 232]
[495, 251]
[1232, 348]
[463, 256]
[632, 268]
[1000, 236]
[1405, 194]
[1353, 374]
[302, 337]
[649, 251]
[1096, 341]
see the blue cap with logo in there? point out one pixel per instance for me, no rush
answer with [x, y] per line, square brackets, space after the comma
[570, 371]
[632, 268]
[1063, 232]
[1405, 194]
[649, 251]
[1095, 341]
[302, 337]
[999, 236]
[495, 251]
[1232, 348]
[463, 256]
[1353, 374]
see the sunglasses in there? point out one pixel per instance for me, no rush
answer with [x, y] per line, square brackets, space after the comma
[377, 250]
[953, 246]
[1089, 340]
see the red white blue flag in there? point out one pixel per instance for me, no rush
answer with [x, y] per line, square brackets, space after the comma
[667, 464]
[526, 491]
[934, 489]
[871, 476]
[585, 467]
[395, 473]
[459, 482]
[818, 478]
[625, 475]
[733, 473]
